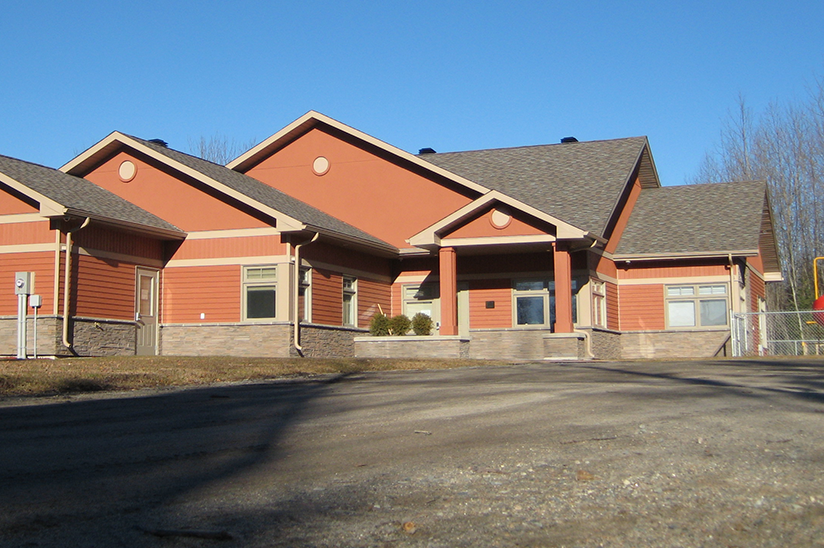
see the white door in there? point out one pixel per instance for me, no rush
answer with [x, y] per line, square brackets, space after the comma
[146, 311]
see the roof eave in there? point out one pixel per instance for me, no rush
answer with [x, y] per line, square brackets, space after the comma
[627, 257]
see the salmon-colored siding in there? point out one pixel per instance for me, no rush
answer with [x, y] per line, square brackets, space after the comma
[370, 295]
[642, 307]
[362, 187]
[623, 217]
[42, 264]
[498, 291]
[254, 246]
[25, 233]
[214, 291]
[103, 288]
[171, 196]
[12, 205]
[659, 271]
[482, 227]
[94, 238]
[612, 306]
[327, 298]
[757, 289]
[346, 258]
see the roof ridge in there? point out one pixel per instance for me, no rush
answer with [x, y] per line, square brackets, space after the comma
[520, 147]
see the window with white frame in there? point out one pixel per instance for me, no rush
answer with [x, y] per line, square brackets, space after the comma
[599, 303]
[703, 305]
[534, 302]
[350, 301]
[259, 293]
[421, 298]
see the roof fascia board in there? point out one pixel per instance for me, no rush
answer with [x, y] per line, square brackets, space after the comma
[48, 207]
[312, 119]
[430, 235]
[285, 222]
[685, 255]
[134, 227]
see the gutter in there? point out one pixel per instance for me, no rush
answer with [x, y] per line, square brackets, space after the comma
[67, 282]
[296, 298]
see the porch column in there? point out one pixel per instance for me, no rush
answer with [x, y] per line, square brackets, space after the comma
[563, 288]
[448, 267]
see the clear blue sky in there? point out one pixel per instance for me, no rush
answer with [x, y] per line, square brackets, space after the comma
[446, 75]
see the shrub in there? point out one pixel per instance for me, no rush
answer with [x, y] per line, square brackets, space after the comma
[379, 325]
[422, 324]
[399, 325]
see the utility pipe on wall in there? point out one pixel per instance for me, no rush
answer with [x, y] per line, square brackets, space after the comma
[67, 282]
[296, 286]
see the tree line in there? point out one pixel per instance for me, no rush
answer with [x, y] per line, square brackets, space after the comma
[784, 146]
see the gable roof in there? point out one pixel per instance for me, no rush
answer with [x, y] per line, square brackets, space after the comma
[579, 183]
[700, 220]
[291, 213]
[60, 194]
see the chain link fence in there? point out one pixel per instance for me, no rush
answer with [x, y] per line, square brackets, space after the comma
[778, 334]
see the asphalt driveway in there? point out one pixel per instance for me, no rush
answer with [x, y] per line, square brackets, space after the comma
[722, 453]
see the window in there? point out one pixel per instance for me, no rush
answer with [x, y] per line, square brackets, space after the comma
[599, 303]
[350, 301]
[259, 292]
[696, 305]
[535, 302]
[421, 298]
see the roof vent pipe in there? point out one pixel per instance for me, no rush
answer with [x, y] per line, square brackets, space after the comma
[569, 140]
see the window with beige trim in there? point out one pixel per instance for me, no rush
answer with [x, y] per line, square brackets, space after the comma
[534, 302]
[599, 303]
[692, 306]
[350, 301]
[259, 293]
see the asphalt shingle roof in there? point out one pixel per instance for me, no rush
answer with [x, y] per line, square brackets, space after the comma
[578, 183]
[79, 194]
[718, 217]
[265, 194]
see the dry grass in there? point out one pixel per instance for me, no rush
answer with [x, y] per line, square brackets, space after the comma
[74, 375]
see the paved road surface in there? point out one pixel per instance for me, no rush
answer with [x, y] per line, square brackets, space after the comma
[725, 453]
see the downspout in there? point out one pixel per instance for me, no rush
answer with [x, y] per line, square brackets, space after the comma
[296, 299]
[67, 282]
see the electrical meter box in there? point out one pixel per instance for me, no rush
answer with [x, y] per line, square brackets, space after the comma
[23, 283]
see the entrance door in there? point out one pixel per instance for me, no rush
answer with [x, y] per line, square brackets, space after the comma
[146, 311]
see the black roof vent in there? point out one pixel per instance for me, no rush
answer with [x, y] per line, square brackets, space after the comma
[160, 142]
[569, 140]
[427, 150]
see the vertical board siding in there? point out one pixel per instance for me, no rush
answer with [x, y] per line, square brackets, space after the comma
[102, 288]
[26, 233]
[499, 291]
[642, 307]
[327, 297]
[757, 289]
[644, 272]
[212, 290]
[42, 264]
[111, 241]
[370, 295]
[613, 321]
[250, 246]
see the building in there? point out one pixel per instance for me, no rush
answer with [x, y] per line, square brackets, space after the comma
[564, 251]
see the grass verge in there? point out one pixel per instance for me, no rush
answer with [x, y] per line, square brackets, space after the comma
[48, 377]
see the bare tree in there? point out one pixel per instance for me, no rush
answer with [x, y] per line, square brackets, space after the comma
[784, 146]
[219, 148]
